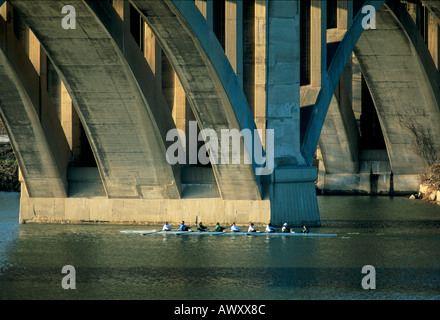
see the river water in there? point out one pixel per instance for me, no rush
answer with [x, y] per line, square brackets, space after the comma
[399, 238]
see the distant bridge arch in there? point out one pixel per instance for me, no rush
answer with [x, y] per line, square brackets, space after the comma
[403, 82]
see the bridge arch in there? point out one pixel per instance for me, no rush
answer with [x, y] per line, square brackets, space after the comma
[37, 138]
[401, 88]
[399, 72]
[325, 95]
[127, 144]
[211, 86]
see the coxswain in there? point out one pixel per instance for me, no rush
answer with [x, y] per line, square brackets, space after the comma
[270, 229]
[234, 228]
[183, 227]
[201, 227]
[166, 227]
[305, 230]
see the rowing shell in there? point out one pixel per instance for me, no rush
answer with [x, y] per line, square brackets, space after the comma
[213, 233]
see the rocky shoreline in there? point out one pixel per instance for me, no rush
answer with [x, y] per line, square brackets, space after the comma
[430, 187]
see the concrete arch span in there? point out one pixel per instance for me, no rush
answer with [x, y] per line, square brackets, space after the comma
[401, 88]
[37, 138]
[125, 139]
[217, 100]
[402, 79]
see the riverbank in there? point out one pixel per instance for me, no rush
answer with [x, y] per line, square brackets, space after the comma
[8, 164]
[8, 169]
[430, 186]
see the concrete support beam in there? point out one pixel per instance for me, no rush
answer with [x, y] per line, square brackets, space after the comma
[283, 83]
[234, 36]
[434, 39]
[260, 70]
[292, 191]
[206, 7]
[345, 14]
[318, 42]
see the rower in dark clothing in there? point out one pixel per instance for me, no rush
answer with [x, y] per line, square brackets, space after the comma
[218, 228]
[201, 227]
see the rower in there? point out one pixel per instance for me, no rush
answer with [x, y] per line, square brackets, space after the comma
[234, 228]
[201, 227]
[285, 228]
[305, 230]
[218, 228]
[270, 229]
[183, 227]
[252, 228]
[166, 227]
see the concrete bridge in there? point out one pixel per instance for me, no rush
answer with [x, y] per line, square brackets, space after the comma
[91, 92]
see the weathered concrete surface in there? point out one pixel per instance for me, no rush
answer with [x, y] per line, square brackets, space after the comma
[122, 131]
[283, 87]
[37, 138]
[144, 211]
[292, 195]
[339, 141]
[209, 82]
[401, 92]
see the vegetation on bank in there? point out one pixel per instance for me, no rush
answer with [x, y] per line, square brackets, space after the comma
[431, 177]
[8, 166]
[8, 169]
[430, 186]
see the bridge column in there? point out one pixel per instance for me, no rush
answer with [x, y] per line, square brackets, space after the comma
[318, 42]
[234, 36]
[292, 190]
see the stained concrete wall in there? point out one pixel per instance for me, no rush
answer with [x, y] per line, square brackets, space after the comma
[135, 211]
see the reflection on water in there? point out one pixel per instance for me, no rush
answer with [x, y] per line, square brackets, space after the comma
[399, 237]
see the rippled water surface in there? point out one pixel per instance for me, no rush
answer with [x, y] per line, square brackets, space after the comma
[400, 238]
